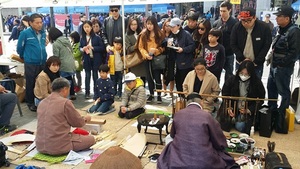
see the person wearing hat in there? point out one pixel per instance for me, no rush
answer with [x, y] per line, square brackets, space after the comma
[225, 23]
[117, 158]
[269, 22]
[133, 97]
[206, 143]
[15, 33]
[250, 40]
[183, 53]
[285, 51]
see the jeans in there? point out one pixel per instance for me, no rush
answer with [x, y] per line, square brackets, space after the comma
[88, 79]
[279, 83]
[101, 107]
[8, 102]
[228, 66]
[154, 75]
[31, 72]
[117, 80]
[78, 77]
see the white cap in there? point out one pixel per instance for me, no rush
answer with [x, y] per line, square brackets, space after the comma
[175, 22]
[129, 77]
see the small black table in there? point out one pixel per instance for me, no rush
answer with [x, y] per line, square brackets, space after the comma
[144, 120]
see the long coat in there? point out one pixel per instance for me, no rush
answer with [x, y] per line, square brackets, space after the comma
[199, 142]
[210, 85]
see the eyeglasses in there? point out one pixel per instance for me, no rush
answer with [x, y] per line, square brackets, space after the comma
[246, 20]
[114, 10]
[203, 29]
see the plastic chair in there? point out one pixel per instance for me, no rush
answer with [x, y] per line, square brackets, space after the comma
[12, 83]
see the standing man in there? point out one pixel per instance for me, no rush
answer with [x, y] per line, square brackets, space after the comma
[112, 27]
[285, 51]
[192, 19]
[32, 48]
[225, 23]
[212, 11]
[250, 40]
[68, 24]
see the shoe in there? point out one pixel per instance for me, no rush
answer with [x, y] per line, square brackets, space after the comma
[72, 97]
[77, 89]
[32, 108]
[150, 98]
[87, 96]
[7, 128]
[159, 101]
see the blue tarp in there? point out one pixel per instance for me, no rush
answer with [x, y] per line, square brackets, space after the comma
[296, 5]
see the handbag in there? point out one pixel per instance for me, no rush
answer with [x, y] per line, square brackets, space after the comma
[133, 59]
[159, 62]
[276, 160]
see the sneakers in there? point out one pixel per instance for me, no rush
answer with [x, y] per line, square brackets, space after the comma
[159, 101]
[32, 108]
[150, 98]
[87, 96]
[7, 128]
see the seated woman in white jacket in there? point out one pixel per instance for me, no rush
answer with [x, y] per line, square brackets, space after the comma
[202, 81]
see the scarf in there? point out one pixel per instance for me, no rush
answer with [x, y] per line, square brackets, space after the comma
[50, 74]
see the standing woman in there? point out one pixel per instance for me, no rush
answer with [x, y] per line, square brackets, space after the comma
[97, 28]
[93, 48]
[24, 24]
[150, 46]
[200, 36]
[62, 48]
[169, 71]
[132, 33]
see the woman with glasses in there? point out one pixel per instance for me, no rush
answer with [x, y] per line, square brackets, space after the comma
[202, 81]
[200, 36]
[244, 84]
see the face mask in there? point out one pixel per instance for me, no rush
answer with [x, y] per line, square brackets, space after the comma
[176, 32]
[244, 78]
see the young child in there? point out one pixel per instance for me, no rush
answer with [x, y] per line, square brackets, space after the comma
[214, 53]
[116, 67]
[104, 93]
[75, 38]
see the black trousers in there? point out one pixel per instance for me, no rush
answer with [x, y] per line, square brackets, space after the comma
[131, 114]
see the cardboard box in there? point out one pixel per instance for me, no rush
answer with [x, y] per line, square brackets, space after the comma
[20, 91]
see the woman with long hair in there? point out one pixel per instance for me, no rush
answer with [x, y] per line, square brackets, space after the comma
[200, 36]
[244, 84]
[132, 34]
[150, 45]
[93, 48]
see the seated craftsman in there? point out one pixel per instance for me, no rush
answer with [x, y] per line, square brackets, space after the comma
[241, 113]
[55, 116]
[133, 97]
[198, 141]
[8, 102]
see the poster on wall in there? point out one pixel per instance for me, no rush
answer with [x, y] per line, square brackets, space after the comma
[244, 4]
[60, 21]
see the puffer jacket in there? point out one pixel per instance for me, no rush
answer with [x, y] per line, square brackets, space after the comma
[134, 98]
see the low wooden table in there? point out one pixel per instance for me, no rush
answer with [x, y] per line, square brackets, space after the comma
[145, 119]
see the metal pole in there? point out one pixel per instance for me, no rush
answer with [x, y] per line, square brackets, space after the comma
[123, 30]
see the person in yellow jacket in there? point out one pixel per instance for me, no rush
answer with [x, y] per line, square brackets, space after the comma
[116, 66]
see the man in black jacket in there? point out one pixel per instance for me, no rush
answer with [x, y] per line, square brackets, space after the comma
[250, 40]
[285, 51]
[225, 23]
[68, 23]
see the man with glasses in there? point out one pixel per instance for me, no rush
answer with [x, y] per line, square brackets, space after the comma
[285, 51]
[225, 23]
[250, 40]
[112, 26]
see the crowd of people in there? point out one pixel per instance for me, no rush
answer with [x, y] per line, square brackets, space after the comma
[196, 52]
